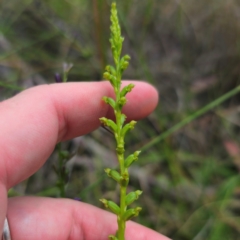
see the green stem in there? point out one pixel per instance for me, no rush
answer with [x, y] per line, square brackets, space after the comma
[114, 75]
[123, 185]
[121, 221]
[192, 117]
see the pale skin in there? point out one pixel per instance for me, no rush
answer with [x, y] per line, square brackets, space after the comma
[31, 124]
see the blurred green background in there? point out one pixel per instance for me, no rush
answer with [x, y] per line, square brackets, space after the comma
[190, 51]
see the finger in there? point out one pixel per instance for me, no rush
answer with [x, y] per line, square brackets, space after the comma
[35, 120]
[45, 218]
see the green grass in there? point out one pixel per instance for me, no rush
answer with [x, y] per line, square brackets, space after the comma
[190, 52]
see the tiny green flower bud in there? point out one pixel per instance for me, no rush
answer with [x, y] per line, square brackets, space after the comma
[132, 124]
[109, 77]
[111, 205]
[106, 75]
[113, 174]
[113, 7]
[136, 154]
[127, 89]
[127, 127]
[114, 207]
[122, 101]
[125, 65]
[132, 212]
[126, 57]
[131, 158]
[104, 201]
[110, 69]
[124, 62]
[107, 68]
[109, 101]
[109, 123]
[112, 125]
[132, 196]
[103, 120]
[112, 79]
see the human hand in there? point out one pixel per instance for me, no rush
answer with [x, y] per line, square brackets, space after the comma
[31, 124]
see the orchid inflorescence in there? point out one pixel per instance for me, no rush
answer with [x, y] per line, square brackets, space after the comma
[119, 129]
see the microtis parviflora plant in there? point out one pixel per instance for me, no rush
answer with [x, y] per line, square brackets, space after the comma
[119, 129]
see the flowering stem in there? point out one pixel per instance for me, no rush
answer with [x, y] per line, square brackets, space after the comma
[123, 188]
[114, 75]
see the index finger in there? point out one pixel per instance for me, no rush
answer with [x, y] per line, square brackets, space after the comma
[35, 120]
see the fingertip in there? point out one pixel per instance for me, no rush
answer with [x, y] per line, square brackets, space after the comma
[142, 100]
[140, 232]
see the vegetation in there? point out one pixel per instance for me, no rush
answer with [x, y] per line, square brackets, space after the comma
[119, 128]
[190, 52]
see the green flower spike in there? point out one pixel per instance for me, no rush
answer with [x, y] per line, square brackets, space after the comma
[119, 129]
